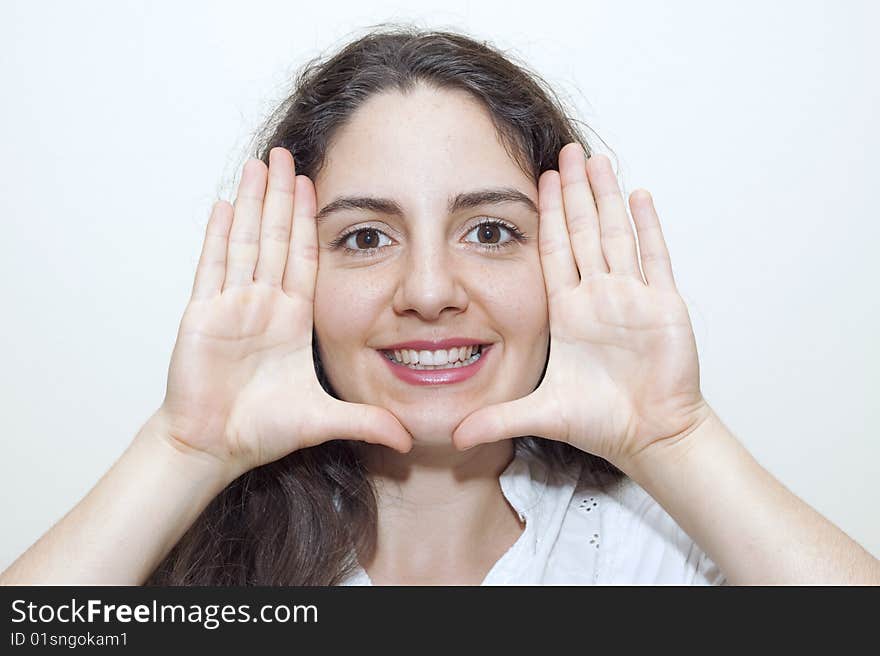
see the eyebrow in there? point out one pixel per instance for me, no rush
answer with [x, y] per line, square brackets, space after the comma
[462, 201]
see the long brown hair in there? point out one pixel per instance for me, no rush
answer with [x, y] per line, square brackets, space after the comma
[309, 517]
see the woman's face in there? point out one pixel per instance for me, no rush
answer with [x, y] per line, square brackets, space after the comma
[432, 273]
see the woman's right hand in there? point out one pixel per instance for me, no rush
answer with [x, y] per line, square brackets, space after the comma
[242, 385]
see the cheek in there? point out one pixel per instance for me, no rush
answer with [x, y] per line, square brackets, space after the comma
[518, 303]
[345, 308]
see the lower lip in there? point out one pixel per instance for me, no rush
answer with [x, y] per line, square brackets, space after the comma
[435, 376]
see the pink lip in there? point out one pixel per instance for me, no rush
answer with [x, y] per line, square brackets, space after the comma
[435, 376]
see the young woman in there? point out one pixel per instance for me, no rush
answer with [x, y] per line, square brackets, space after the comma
[423, 348]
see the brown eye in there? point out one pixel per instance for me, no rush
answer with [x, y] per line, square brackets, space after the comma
[489, 233]
[367, 238]
[493, 235]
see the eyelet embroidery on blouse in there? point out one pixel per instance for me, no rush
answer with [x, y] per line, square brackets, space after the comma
[588, 504]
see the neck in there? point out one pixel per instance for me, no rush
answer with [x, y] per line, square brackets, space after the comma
[441, 512]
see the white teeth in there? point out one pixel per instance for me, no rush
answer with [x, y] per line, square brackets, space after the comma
[442, 358]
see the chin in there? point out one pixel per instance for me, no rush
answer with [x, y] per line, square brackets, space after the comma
[430, 428]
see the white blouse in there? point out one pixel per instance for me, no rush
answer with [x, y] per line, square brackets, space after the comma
[584, 527]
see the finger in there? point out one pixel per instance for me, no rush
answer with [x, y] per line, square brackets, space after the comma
[211, 269]
[277, 215]
[366, 423]
[244, 239]
[302, 259]
[525, 416]
[655, 256]
[557, 260]
[581, 215]
[618, 240]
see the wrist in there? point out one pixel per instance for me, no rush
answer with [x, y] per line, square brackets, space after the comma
[157, 441]
[684, 448]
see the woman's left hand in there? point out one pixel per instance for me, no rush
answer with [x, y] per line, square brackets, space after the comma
[623, 372]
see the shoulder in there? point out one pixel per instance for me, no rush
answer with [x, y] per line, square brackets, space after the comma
[636, 541]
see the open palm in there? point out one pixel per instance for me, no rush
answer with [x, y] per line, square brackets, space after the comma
[242, 384]
[623, 371]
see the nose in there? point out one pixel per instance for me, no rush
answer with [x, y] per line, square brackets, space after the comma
[429, 283]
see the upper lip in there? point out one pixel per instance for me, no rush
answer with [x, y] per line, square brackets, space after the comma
[426, 345]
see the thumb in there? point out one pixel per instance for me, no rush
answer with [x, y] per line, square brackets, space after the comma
[367, 423]
[525, 416]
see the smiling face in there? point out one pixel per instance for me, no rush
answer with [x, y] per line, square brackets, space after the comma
[422, 267]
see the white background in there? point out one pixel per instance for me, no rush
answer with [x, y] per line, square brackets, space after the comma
[754, 125]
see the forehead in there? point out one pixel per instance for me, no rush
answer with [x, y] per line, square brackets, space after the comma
[425, 140]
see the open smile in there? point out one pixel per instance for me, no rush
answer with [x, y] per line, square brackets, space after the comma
[440, 367]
